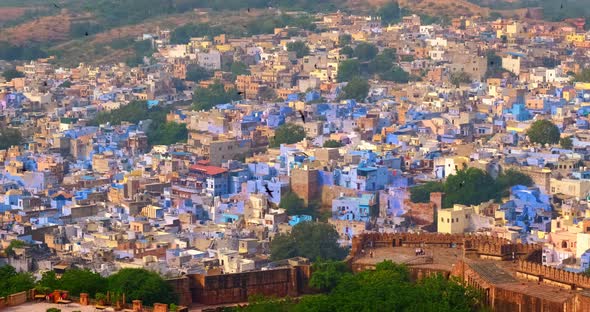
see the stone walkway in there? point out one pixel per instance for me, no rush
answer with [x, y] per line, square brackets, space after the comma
[43, 306]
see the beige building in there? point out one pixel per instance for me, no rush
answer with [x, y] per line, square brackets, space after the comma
[571, 187]
[462, 219]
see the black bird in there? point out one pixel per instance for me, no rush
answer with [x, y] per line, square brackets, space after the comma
[268, 191]
[248, 9]
[302, 116]
[57, 6]
[86, 34]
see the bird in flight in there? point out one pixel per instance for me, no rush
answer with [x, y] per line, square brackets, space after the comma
[302, 116]
[268, 191]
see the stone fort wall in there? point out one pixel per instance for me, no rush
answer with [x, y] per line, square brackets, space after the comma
[481, 245]
[237, 287]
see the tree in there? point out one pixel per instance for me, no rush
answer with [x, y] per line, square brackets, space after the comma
[396, 74]
[583, 76]
[283, 246]
[239, 68]
[12, 282]
[66, 84]
[347, 70]
[197, 73]
[15, 243]
[9, 137]
[293, 204]
[357, 89]
[332, 143]
[312, 240]
[421, 193]
[82, 281]
[49, 281]
[287, 133]
[494, 16]
[168, 133]
[327, 274]
[387, 288]
[459, 78]
[365, 51]
[512, 177]
[299, 47]
[215, 94]
[140, 284]
[543, 132]
[10, 74]
[344, 40]
[348, 51]
[469, 186]
[178, 84]
[390, 13]
[551, 62]
[566, 143]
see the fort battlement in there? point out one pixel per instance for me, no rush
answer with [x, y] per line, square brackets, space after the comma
[553, 276]
[484, 246]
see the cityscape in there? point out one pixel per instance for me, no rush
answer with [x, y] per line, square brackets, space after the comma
[190, 155]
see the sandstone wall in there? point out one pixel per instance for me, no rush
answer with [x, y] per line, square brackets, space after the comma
[233, 288]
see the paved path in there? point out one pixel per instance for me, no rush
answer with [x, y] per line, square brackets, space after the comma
[43, 306]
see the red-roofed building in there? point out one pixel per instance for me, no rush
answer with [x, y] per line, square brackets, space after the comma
[215, 179]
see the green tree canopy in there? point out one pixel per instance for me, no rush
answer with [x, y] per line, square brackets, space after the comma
[348, 69]
[287, 133]
[168, 133]
[197, 73]
[566, 143]
[365, 51]
[344, 40]
[421, 193]
[10, 137]
[395, 74]
[459, 78]
[49, 281]
[312, 240]
[12, 282]
[10, 74]
[470, 186]
[387, 288]
[347, 50]
[543, 132]
[239, 68]
[215, 94]
[583, 76]
[327, 274]
[15, 243]
[390, 13]
[332, 143]
[299, 47]
[140, 284]
[78, 281]
[357, 89]
[293, 204]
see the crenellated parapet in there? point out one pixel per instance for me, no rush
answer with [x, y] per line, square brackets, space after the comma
[483, 245]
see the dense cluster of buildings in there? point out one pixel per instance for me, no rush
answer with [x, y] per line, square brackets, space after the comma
[101, 197]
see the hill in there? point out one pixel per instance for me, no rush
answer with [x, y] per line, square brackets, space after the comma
[103, 30]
